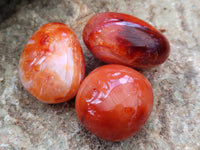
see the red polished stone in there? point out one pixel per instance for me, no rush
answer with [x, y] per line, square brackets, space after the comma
[52, 66]
[114, 102]
[123, 39]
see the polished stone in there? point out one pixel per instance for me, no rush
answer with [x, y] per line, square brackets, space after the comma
[26, 123]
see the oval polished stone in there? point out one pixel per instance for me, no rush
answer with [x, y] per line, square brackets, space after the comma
[114, 102]
[123, 39]
[51, 66]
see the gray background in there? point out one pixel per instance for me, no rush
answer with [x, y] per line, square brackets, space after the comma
[26, 123]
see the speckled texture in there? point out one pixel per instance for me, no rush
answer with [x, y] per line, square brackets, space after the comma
[26, 123]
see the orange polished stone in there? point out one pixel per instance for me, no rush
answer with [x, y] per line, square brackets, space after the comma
[123, 39]
[51, 65]
[114, 102]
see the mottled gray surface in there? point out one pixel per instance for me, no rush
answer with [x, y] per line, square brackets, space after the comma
[26, 123]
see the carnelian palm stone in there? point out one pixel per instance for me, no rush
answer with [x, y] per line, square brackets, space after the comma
[51, 65]
[123, 39]
[114, 102]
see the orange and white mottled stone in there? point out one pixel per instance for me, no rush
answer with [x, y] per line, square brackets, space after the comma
[52, 66]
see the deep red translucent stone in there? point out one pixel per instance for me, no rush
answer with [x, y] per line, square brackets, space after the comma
[52, 66]
[114, 102]
[124, 39]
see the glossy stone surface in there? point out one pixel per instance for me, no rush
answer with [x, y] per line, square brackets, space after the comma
[114, 102]
[123, 39]
[51, 66]
[174, 124]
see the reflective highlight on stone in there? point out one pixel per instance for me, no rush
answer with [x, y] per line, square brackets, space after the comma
[123, 39]
[114, 102]
[52, 66]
